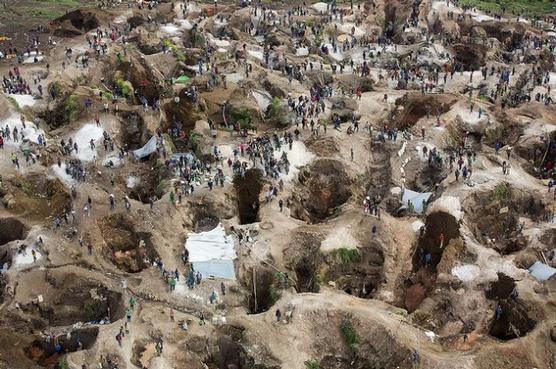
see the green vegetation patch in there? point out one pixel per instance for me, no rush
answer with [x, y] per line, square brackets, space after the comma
[529, 7]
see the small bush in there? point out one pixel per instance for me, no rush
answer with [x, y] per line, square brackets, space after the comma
[347, 256]
[351, 338]
[501, 192]
[125, 87]
[312, 364]
[243, 116]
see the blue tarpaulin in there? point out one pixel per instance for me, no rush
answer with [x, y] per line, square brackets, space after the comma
[147, 149]
[541, 271]
[416, 199]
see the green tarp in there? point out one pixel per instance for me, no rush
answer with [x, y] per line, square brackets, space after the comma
[181, 79]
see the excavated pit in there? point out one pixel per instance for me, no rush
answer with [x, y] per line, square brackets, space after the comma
[506, 131]
[422, 176]
[133, 130]
[6, 257]
[493, 217]
[43, 352]
[248, 189]
[151, 185]
[144, 81]
[323, 187]
[304, 259]
[230, 350]
[379, 348]
[181, 116]
[128, 249]
[67, 109]
[517, 318]
[413, 106]
[79, 301]
[436, 224]
[431, 243]
[470, 56]
[514, 321]
[379, 175]
[357, 273]
[12, 229]
[35, 196]
[261, 295]
[540, 157]
[501, 289]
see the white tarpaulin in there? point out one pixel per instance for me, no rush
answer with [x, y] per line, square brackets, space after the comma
[541, 271]
[146, 150]
[416, 199]
[212, 253]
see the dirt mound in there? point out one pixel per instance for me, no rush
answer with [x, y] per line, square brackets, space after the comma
[43, 351]
[148, 42]
[12, 229]
[35, 196]
[413, 106]
[323, 187]
[247, 190]
[75, 23]
[133, 129]
[129, 250]
[493, 217]
[470, 56]
[322, 145]
[342, 107]
[515, 320]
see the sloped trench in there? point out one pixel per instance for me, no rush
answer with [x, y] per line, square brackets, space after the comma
[128, 249]
[248, 189]
[12, 229]
[43, 352]
[440, 229]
